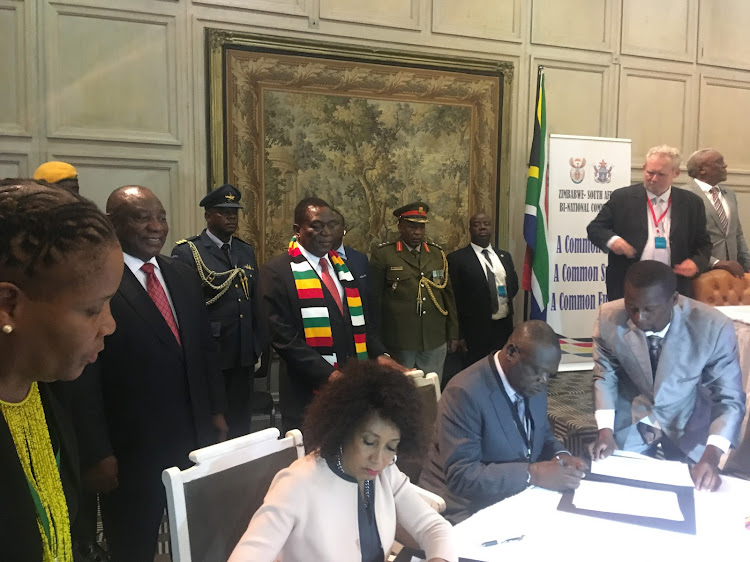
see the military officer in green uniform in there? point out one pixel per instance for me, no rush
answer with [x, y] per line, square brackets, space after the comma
[412, 295]
[229, 274]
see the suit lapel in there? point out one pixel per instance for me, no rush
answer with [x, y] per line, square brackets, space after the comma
[636, 341]
[134, 293]
[678, 219]
[640, 212]
[499, 400]
[667, 358]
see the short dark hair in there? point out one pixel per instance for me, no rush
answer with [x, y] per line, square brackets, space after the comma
[537, 332]
[300, 211]
[41, 225]
[363, 389]
[651, 273]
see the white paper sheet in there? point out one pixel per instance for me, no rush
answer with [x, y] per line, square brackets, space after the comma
[644, 469]
[628, 500]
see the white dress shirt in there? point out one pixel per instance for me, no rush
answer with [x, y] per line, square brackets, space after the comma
[216, 240]
[315, 263]
[705, 188]
[499, 271]
[134, 264]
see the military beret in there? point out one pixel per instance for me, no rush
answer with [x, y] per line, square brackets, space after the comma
[414, 212]
[53, 172]
[226, 196]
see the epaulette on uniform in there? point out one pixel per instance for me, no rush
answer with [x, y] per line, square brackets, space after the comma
[184, 240]
[438, 246]
[386, 244]
[236, 240]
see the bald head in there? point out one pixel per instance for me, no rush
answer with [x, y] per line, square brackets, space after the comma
[708, 166]
[139, 219]
[531, 357]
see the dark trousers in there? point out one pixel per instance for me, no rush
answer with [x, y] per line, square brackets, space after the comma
[131, 515]
[239, 387]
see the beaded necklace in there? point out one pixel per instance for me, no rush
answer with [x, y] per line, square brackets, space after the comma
[28, 428]
[367, 485]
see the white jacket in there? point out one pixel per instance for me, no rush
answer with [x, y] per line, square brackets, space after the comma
[310, 514]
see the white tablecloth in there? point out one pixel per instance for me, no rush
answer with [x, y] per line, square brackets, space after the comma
[555, 535]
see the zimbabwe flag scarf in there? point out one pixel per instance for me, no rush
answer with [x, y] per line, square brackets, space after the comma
[315, 317]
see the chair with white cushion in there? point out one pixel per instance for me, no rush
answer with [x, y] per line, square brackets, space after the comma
[210, 504]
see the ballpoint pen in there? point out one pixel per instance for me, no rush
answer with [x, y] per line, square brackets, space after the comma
[511, 539]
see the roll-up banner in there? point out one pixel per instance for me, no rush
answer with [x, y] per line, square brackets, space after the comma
[583, 172]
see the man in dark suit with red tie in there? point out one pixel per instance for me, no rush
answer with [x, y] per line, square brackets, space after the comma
[311, 303]
[154, 394]
[653, 221]
[484, 284]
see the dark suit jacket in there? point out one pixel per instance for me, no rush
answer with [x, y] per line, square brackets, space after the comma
[147, 400]
[472, 293]
[359, 265]
[478, 456]
[234, 317]
[625, 215]
[19, 533]
[306, 369]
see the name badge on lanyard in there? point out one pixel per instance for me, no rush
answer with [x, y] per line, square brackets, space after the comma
[660, 241]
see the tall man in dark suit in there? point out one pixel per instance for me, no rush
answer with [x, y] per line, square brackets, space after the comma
[666, 374]
[484, 284]
[311, 303]
[707, 169]
[492, 437]
[154, 394]
[229, 274]
[652, 221]
[357, 262]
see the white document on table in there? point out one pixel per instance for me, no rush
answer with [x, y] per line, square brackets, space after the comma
[644, 469]
[627, 500]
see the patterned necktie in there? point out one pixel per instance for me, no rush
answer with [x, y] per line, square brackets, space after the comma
[157, 294]
[225, 249]
[654, 348]
[491, 281]
[521, 407]
[325, 275]
[714, 191]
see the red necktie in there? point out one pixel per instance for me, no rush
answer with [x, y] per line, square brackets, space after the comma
[329, 283]
[157, 294]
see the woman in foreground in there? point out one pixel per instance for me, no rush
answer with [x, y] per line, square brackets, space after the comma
[342, 501]
[60, 263]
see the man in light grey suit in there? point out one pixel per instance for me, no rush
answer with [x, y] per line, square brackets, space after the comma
[706, 168]
[492, 436]
[666, 375]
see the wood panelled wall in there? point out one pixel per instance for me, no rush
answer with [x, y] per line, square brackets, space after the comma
[118, 87]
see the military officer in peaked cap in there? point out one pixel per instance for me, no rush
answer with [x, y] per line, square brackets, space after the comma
[412, 294]
[229, 274]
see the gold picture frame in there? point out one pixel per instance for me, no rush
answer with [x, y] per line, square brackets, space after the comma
[366, 129]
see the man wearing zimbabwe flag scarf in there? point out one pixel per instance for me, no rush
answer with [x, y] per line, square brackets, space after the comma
[313, 311]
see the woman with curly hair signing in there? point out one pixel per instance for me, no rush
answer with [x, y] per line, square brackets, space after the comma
[342, 501]
[60, 264]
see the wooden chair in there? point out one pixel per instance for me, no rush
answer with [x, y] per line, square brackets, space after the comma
[428, 387]
[210, 504]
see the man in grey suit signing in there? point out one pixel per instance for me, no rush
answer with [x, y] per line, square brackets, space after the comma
[492, 436]
[707, 169]
[666, 375]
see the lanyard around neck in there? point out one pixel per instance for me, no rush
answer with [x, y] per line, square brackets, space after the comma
[653, 214]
